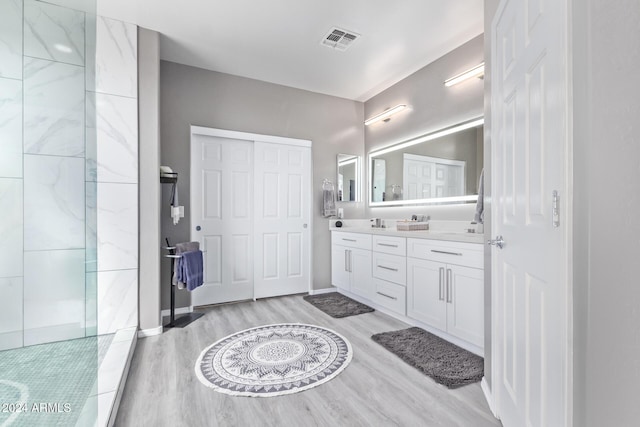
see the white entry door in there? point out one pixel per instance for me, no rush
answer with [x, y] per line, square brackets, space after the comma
[282, 219]
[222, 217]
[530, 284]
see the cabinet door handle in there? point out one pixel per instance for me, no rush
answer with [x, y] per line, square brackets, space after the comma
[388, 245]
[449, 287]
[388, 268]
[446, 253]
[346, 262]
[387, 296]
[350, 262]
[440, 283]
[349, 240]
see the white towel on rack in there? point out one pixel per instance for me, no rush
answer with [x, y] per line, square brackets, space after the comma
[177, 211]
[328, 203]
[479, 216]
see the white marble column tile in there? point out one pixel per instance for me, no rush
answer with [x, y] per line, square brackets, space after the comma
[117, 226]
[54, 296]
[11, 249]
[10, 128]
[91, 226]
[53, 32]
[54, 203]
[112, 138]
[91, 303]
[117, 300]
[54, 108]
[10, 313]
[112, 64]
[11, 39]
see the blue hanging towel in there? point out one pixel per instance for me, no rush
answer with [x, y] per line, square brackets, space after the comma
[190, 269]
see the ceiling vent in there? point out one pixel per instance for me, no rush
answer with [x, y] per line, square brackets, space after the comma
[339, 39]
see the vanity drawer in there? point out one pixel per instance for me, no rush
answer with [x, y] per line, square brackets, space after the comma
[351, 240]
[391, 296]
[390, 245]
[467, 254]
[392, 268]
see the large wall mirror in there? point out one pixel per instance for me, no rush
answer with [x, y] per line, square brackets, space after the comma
[348, 178]
[440, 167]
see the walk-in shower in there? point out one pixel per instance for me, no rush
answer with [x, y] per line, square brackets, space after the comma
[68, 197]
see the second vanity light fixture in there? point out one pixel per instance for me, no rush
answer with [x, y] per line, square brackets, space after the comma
[477, 71]
[385, 114]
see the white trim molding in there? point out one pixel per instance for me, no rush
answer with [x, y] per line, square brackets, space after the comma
[143, 333]
[179, 310]
[322, 291]
[223, 133]
[487, 395]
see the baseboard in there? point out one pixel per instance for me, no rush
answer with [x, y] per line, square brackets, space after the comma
[322, 291]
[488, 395]
[179, 310]
[143, 333]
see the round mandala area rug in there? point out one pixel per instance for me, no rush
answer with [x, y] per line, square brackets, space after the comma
[273, 360]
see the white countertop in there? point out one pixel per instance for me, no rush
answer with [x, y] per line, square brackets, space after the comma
[422, 234]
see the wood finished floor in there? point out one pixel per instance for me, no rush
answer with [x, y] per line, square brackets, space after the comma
[376, 389]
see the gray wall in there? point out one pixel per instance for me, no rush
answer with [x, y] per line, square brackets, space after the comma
[206, 98]
[149, 156]
[606, 205]
[490, 7]
[432, 106]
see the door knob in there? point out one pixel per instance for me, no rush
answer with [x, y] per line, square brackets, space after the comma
[198, 228]
[498, 241]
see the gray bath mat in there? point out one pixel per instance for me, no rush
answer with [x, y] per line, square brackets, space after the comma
[446, 363]
[337, 305]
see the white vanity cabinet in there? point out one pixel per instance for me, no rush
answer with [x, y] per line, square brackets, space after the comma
[445, 287]
[351, 263]
[389, 270]
[434, 284]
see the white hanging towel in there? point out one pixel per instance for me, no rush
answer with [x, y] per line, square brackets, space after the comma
[177, 211]
[479, 216]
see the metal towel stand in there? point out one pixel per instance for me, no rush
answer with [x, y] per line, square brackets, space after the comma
[188, 318]
[184, 319]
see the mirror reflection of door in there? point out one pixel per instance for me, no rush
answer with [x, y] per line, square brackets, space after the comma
[425, 177]
[379, 179]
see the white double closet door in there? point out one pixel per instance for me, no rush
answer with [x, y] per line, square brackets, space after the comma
[251, 212]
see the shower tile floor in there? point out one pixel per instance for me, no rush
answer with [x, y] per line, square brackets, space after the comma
[48, 384]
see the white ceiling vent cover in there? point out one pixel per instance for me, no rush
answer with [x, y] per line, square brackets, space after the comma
[339, 39]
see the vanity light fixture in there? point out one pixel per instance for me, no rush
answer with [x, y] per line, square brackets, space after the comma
[448, 131]
[476, 71]
[385, 114]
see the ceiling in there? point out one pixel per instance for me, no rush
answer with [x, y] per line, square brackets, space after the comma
[278, 41]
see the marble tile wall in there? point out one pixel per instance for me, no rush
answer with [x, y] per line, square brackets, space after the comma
[112, 167]
[11, 313]
[11, 39]
[54, 113]
[54, 296]
[112, 138]
[68, 174]
[10, 128]
[11, 183]
[54, 203]
[115, 70]
[53, 32]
